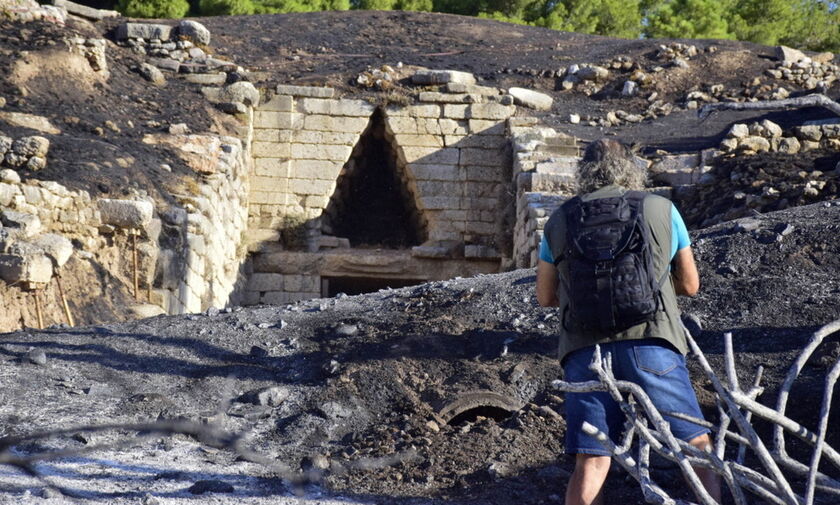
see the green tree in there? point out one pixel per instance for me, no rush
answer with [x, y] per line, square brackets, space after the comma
[225, 7]
[696, 19]
[169, 9]
[402, 5]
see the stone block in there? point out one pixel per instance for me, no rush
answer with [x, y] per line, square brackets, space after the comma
[272, 135]
[281, 120]
[316, 169]
[481, 252]
[305, 91]
[448, 215]
[429, 126]
[456, 111]
[56, 247]
[32, 195]
[279, 103]
[440, 202]
[330, 138]
[485, 127]
[479, 228]
[453, 126]
[216, 79]
[317, 201]
[477, 141]
[419, 140]
[265, 282]
[422, 110]
[531, 99]
[357, 108]
[491, 111]
[442, 77]
[321, 152]
[275, 298]
[318, 122]
[272, 167]
[677, 162]
[7, 194]
[429, 155]
[483, 173]
[433, 96]
[194, 31]
[31, 265]
[401, 125]
[434, 172]
[457, 87]
[270, 149]
[28, 225]
[310, 187]
[483, 157]
[146, 31]
[439, 188]
[292, 283]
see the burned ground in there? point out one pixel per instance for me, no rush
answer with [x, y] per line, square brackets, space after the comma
[386, 397]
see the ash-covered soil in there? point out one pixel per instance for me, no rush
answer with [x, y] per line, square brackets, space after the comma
[364, 392]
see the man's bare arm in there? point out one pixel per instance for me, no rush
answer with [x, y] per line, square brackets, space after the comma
[547, 284]
[684, 273]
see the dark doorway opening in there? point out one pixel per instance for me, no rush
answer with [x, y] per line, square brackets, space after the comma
[372, 205]
[332, 286]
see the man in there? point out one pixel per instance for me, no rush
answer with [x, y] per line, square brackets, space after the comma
[650, 353]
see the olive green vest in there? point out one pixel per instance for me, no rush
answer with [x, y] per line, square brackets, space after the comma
[666, 325]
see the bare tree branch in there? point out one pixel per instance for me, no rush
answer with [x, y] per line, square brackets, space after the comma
[815, 100]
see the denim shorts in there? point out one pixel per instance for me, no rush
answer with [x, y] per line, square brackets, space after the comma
[651, 363]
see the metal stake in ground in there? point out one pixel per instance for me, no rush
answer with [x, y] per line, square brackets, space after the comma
[136, 274]
[67, 313]
[38, 307]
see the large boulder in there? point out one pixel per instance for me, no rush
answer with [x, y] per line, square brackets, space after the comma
[151, 74]
[25, 263]
[789, 55]
[31, 146]
[24, 225]
[531, 99]
[134, 214]
[196, 32]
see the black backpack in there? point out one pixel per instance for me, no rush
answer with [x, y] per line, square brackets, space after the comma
[612, 283]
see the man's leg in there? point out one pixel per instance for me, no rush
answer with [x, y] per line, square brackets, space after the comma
[587, 482]
[710, 480]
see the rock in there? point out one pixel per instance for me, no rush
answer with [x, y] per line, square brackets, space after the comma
[37, 357]
[347, 330]
[531, 99]
[31, 146]
[134, 214]
[738, 131]
[9, 176]
[268, 397]
[574, 118]
[145, 31]
[15, 160]
[194, 31]
[179, 129]
[753, 143]
[36, 163]
[789, 145]
[442, 77]
[5, 144]
[569, 82]
[630, 88]
[680, 62]
[242, 92]
[232, 107]
[28, 225]
[823, 58]
[28, 265]
[811, 133]
[146, 310]
[593, 73]
[32, 121]
[151, 74]
[210, 486]
[433, 426]
[771, 129]
[789, 55]
[56, 247]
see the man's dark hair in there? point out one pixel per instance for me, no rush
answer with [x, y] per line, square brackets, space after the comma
[608, 161]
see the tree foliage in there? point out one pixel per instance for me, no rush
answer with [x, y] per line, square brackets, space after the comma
[153, 8]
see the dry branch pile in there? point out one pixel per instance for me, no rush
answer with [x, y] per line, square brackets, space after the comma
[778, 478]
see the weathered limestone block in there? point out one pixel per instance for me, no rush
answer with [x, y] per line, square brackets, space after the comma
[531, 99]
[151, 74]
[422, 110]
[484, 157]
[423, 171]
[409, 140]
[272, 167]
[456, 111]
[429, 155]
[271, 149]
[438, 188]
[133, 214]
[318, 122]
[272, 135]
[321, 152]
[484, 127]
[316, 169]
[32, 121]
[452, 127]
[145, 31]
[194, 31]
[439, 202]
[754, 143]
[265, 282]
[789, 55]
[481, 251]
[789, 145]
[216, 79]
[279, 103]
[456, 87]
[305, 91]
[483, 173]
[26, 225]
[676, 162]
[26, 263]
[279, 120]
[311, 186]
[442, 77]
[8, 192]
[435, 97]
[31, 146]
[477, 141]
[357, 108]
[812, 133]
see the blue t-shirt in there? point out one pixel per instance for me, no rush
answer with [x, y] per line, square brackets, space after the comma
[679, 237]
